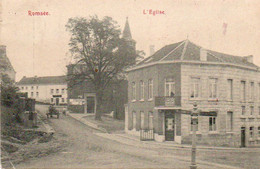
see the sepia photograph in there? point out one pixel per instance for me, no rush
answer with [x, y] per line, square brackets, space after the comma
[130, 84]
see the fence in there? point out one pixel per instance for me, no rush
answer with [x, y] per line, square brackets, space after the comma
[146, 135]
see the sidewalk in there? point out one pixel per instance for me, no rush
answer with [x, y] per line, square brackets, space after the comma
[80, 117]
[135, 140]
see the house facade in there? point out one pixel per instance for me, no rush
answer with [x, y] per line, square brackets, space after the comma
[163, 88]
[49, 89]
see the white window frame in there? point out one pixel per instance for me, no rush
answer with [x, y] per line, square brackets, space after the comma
[171, 84]
[141, 90]
[195, 87]
[37, 94]
[150, 89]
[133, 91]
[52, 91]
[57, 91]
[213, 88]
[214, 125]
[230, 89]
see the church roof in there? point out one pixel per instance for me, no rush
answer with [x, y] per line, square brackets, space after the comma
[127, 33]
[43, 80]
[188, 51]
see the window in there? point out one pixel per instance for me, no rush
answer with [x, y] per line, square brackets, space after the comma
[169, 87]
[133, 91]
[52, 100]
[259, 110]
[259, 91]
[212, 124]
[32, 87]
[150, 120]
[243, 110]
[22, 88]
[37, 94]
[251, 132]
[57, 90]
[134, 120]
[195, 88]
[230, 89]
[52, 90]
[243, 91]
[141, 90]
[251, 91]
[31, 94]
[26, 87]
[196, 127]
[229, 121]
[259, 131]
[212, 88]
[37, 87]
[142, 120]
[62, 91]
[62, 100]
[150, 89]
[251, 110]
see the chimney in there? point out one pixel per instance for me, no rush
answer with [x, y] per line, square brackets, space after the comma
[249, 58]
[203, 54]
[151, 49]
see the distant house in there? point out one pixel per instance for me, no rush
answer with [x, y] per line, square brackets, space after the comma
[49, 89]
[163, 88]
[5, 64]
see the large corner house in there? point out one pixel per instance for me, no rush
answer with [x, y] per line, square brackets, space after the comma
[165, 85]
[49, 89]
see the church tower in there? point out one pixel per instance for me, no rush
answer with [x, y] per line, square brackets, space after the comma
[127, 35]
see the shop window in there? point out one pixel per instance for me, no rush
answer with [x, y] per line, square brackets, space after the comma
[212, 123]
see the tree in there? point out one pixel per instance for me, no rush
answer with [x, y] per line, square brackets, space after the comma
[8, 91]
[99, 53]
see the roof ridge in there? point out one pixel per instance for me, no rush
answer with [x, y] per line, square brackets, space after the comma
[184, 48]
[171, 51]
[215, 55]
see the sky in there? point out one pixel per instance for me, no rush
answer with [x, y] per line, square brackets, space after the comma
[38, 45]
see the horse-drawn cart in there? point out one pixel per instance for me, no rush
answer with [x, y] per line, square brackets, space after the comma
[53, 111]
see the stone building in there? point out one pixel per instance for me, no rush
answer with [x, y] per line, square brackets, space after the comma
[163, 87]
[48, 89]
[5, 64]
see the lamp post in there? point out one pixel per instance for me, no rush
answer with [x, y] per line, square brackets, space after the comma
[194, 120]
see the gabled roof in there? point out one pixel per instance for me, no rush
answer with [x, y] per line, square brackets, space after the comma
[43, 80]
[188, 51]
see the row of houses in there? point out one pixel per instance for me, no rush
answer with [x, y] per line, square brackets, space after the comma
[162, 89]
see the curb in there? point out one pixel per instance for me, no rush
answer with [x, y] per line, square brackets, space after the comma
[87, 123]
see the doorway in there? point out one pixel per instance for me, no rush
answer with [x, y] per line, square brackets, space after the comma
[169, 125]
[57, 101]
[90, 104]
[243, 137]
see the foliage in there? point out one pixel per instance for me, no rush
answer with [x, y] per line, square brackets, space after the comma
[8, 91]
[99, 53]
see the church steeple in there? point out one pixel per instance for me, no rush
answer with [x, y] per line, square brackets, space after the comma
[127, 35]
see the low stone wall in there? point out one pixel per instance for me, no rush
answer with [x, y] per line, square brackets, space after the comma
[226, 140]
[76, 108]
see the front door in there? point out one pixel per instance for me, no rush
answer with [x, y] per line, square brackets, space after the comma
[90, 104]
[57, 101]
[169, 125]
[243, 136]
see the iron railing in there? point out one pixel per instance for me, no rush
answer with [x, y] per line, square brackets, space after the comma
[146, 135]
[167, 101]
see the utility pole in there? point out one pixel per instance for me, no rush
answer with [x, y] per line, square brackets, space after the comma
[194, 120]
